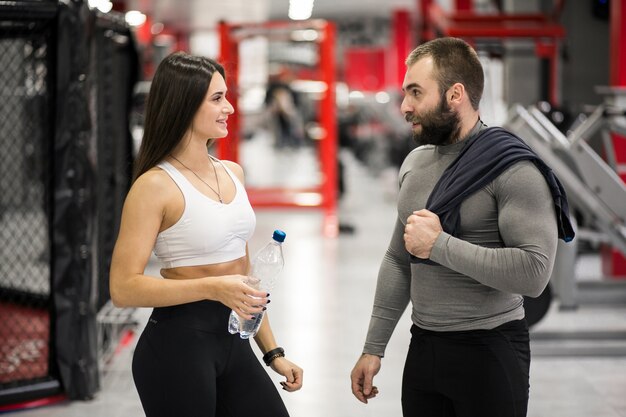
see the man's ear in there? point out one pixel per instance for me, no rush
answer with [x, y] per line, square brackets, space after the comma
[455, 94]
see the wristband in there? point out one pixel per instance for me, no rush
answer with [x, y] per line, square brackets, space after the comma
[273, 354]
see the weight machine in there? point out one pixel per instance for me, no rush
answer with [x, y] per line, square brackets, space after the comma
[592, 185]
[595, 190]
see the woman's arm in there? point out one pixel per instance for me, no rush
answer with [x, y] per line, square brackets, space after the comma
[266, 342]
[265, 337]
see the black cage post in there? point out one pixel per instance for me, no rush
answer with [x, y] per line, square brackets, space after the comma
[65, 165]
[74, 222]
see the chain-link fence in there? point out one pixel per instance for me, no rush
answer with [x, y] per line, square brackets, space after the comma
[26, 98]
[65, 163]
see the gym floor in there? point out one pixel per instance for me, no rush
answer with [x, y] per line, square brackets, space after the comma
[320, 312]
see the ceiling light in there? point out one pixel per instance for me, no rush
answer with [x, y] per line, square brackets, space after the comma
[300, 9]
[135, 18]
[104, 6]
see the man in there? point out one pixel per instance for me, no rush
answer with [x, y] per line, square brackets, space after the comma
[283, 104]
[478, 219]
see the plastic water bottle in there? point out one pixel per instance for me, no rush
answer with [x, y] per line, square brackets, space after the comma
[266, 267]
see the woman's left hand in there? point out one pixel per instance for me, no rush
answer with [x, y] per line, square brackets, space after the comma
[292, 373]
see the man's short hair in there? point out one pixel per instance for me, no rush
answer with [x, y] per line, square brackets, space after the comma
[455, 61]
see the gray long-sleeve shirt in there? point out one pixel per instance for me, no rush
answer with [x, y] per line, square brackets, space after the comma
[505, 249]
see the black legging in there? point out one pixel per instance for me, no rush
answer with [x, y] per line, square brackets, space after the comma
[468, 373]
[186, 364]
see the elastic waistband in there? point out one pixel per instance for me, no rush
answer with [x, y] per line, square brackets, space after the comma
[510, 326]
[207, 316]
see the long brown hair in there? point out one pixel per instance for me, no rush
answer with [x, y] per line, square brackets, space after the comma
[180, 83]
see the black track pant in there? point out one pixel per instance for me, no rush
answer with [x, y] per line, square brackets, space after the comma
[480, 373]
[186, 364]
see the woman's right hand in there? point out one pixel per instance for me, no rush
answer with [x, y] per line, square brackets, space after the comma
[234, 292]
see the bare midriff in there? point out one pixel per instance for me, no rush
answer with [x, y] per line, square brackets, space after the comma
[236, 267]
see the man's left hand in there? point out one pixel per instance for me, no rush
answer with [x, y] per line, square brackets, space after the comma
[421, 230]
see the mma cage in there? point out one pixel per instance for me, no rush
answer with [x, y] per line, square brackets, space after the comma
[65, 167]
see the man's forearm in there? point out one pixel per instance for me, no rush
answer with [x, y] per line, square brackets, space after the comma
[391, 298]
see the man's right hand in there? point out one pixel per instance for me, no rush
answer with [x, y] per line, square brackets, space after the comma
[362, 377]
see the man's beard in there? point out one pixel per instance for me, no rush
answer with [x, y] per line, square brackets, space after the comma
[440, 126]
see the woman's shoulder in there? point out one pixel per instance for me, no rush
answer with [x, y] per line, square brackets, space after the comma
[154, 177]
[232, 165]
[154, 182]
[235, 168]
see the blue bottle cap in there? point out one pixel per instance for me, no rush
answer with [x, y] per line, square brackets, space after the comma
[279, 235]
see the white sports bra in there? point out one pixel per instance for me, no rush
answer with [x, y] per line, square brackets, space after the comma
[208, 231]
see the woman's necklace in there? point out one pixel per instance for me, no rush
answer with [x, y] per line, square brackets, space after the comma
[217, 180]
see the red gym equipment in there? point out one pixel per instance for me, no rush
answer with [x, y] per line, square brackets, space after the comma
[325, 194]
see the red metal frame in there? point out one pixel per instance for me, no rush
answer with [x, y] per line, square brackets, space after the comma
[618, 40]
[613, 261]
[463, 4]
[40, 402]
[229, 58]
[326, 193]
[401, 46]
[424, 7]
[468, 25]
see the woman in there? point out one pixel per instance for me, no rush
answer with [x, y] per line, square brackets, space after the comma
[193, 211]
